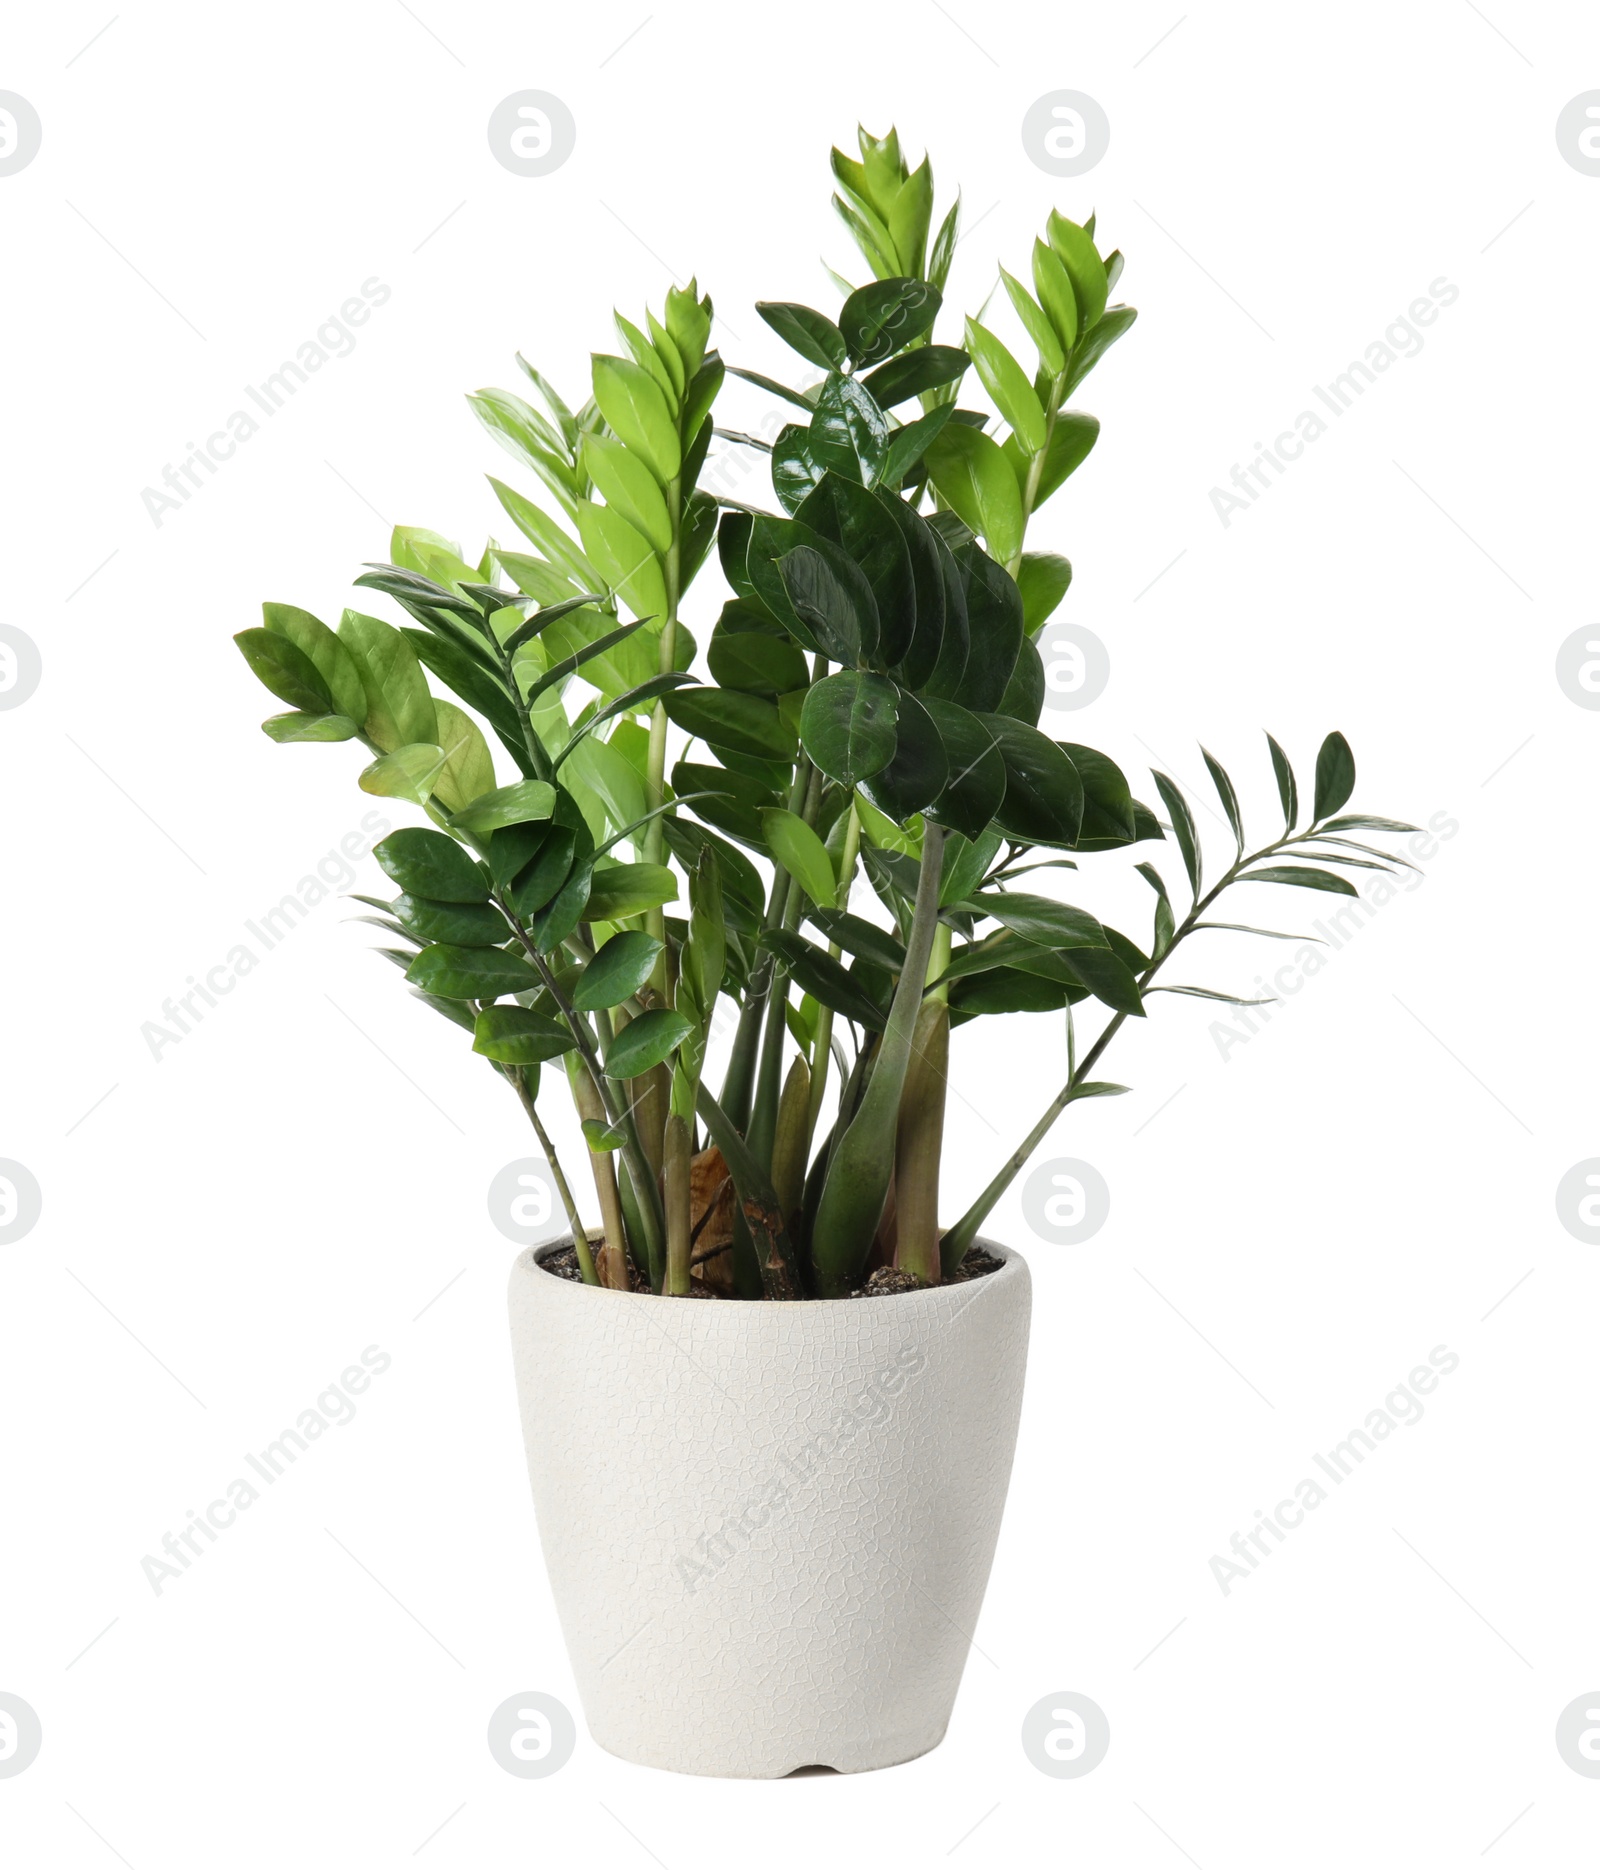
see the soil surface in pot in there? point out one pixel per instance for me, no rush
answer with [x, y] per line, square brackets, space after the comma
[886, 1282]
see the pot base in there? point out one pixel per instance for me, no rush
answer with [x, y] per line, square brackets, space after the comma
[868, 1755]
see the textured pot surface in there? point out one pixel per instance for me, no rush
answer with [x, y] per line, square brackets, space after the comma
[769, 1527]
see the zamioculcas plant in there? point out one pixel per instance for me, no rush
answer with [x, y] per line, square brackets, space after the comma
[809, 817]
[814, 806]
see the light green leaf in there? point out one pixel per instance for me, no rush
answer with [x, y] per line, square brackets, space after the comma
[406, 773]
[975, 480]
[332, 660]
[523, 803]
[399, 708]
[287, 729]
[624, 890]
[1036, 324]
[632, 404]
[1006, 381]
[802, 853]
[624, 558]
[468, 769]
[629, 488]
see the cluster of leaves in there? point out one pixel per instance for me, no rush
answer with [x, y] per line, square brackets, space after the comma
[869, 695]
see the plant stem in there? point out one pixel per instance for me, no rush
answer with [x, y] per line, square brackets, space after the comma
[858, 1177]
[764, 1116]
[646, 1188]
[613, 1268]
[822, 1047]
[656, 759]
[919, 1135]
[580, 1239]
[758, 1202]
[738, 1085]
[677, 1149]
[1030, 490]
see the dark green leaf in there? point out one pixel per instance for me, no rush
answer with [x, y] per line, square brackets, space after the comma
[724, 718]
[918, 771]
[617, 972]
[455, 972]
[427, 863]
[646, 1041]
[818, 974]
[1165, 927]
[1302, 876]
[566, 909]
[755, 663]
[795, 469]
[866, 526]
[1288, 791]
[538, 878]
[771, 386]
[1108, 815]
[916, 373]
[1229, 798]
[907, 445]
[452, 1010]
[975, 783]
[1360, 823]
[830, 604]
[848, 725]
[542, 619]
[1024, 696]
[817, 338]
[1336, 776]
[849, 432]
[415, 591]
[476, 925]
[1210, 993]
[966, 860]
[883, 317]
[936, 663]
[634, 701]
[994, 628]
[1044, 794]
[512, 1035]
[1007, 990]
[731, 801]
[1042, 579]
[859, 937]
[1182, 827]
[1244, 928]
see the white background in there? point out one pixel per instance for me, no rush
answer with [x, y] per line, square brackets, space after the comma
[1293, 1228]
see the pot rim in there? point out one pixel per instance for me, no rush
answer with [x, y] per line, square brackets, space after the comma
[1012, 1267]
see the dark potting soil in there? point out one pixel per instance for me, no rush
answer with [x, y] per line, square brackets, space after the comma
[885, 1282]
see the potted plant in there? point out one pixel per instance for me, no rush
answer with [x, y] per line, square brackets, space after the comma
[819, 812]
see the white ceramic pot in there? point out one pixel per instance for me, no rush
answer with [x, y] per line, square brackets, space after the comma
[768, 1527]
